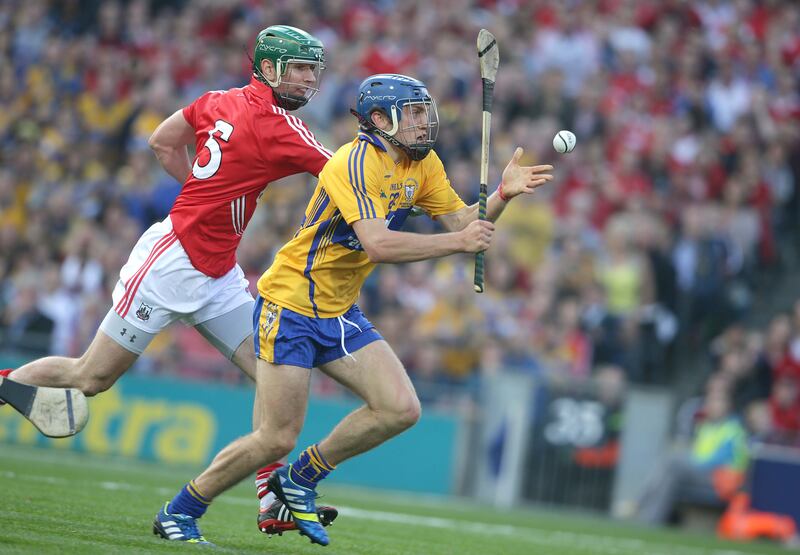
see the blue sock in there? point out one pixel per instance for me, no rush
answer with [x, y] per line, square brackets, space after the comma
[189, 501]
[309, 468]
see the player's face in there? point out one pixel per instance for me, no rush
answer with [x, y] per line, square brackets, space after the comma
[419, 123]
[300, 79]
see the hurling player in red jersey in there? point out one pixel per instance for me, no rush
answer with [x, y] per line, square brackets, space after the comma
[184, 268]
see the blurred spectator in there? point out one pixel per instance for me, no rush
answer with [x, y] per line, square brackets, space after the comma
[26, 329]
[728, 96]
[701, 263]
[719, 443]
[784, 403]
[758, 420]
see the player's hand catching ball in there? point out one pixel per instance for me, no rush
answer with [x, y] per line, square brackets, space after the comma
[523, 179]
[477, 236]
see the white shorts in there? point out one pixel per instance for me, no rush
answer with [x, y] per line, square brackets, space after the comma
[158, 285]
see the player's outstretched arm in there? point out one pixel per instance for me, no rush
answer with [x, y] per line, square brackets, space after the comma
[517, 180]
[169, 142]
[384, 245]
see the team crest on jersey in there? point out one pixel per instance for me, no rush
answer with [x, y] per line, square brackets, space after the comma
[410, 188]
[144, 312]
[272, 315]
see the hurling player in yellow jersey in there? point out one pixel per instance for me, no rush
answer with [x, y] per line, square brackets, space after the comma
[306, 315]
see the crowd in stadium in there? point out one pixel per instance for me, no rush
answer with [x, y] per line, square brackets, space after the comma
[679, 201]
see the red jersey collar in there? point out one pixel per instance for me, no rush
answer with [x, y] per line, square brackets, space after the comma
[261, 90]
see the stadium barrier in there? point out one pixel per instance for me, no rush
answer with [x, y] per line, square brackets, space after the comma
[565, 443]
[775, 470]
[525, 441]
[187, 423]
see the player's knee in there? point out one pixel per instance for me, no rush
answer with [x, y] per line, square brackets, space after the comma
[284, 445]
[412, 413]
[92, 385]
[93, 381]
[405, 414]
[276, 444]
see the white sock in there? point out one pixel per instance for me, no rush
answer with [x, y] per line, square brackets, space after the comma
[265, 502]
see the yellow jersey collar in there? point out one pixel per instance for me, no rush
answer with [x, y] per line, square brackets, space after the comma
[373, 139]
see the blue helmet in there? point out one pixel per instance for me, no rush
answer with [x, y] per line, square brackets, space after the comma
[413, 132]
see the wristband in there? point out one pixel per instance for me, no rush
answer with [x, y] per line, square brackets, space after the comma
[500, 193]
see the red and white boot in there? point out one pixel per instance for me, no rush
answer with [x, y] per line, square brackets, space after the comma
[273, 516]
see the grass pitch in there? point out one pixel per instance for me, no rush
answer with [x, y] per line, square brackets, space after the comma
[61, 502]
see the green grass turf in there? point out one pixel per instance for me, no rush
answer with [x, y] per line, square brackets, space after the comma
[61, 502]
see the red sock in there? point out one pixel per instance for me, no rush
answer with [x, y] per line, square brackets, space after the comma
[4, 374]
[262, 475]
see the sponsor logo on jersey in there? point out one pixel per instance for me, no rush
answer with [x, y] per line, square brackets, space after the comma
[144, 312]
[352, 242]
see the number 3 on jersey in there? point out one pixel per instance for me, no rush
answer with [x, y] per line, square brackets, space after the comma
[225, 130]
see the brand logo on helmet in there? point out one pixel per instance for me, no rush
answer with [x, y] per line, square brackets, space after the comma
[380, 97]
[271, 48]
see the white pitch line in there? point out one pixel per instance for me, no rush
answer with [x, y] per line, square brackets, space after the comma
[592, 543]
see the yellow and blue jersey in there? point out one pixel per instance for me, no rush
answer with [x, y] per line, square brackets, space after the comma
[319, 273]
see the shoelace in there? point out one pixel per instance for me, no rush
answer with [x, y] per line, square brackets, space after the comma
[188, 526]
[306, 498]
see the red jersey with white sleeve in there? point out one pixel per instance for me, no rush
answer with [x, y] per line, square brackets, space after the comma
[244, 142]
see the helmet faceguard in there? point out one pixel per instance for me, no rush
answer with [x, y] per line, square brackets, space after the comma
[406, 103]
[293, 52]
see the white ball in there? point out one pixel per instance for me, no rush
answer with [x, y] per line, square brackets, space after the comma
[564, 141]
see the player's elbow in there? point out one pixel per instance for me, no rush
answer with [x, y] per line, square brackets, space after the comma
[156, 145]
[163, 143]
[375, 240]
[451, 222]
[375, 250]
[376, 254]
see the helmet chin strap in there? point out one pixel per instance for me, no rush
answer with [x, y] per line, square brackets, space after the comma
[282, 100]
[413, 153]
[395, 122]
[289, 101]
